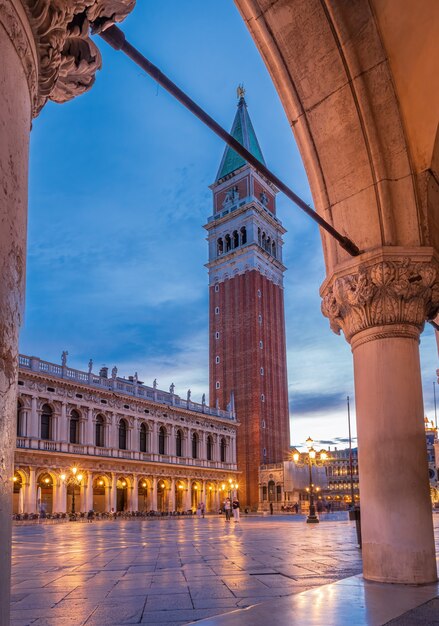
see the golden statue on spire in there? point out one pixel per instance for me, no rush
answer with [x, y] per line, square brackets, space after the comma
[240, 92]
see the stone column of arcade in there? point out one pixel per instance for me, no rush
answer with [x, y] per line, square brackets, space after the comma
[36, 60]
[381, 307]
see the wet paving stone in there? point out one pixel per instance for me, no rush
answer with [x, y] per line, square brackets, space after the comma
[170, 571]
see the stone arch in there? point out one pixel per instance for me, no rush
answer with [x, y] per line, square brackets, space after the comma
[210, 497]
[46, 481]
[101, 485]
[367, 143]
[144, 491]
[163, 486]
[180, 494]
[20, 479]
[123, 491]
[356, 181]
[196, 487]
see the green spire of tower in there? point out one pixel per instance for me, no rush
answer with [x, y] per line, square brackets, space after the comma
[242, 131]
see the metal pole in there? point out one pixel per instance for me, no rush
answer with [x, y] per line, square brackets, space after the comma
[350, 455]
[435, 409]
[312, 517]
[73, 498]
[116, 39]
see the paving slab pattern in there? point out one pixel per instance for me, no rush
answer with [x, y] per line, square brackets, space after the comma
[170, 571]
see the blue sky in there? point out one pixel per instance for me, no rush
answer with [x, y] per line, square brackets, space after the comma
[118, 195]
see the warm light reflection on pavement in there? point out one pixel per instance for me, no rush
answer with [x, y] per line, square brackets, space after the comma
[170, 570]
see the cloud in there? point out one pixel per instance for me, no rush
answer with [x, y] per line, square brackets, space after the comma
[308, 403]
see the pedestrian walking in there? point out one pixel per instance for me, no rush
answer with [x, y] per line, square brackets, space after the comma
[227, 509]
[271, 508]
[235, 508]
[90, 516]
[202, 509]
[198, 510]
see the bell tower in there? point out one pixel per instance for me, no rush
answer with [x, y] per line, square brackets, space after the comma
[247, 348]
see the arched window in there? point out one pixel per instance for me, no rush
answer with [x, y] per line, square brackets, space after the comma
[99, 432]
[46, 422]
[122, 435]
[273, 249]
[162, 436]
[178, 443]
[20, 425]
[243, 235]
[209, 448]
[259, 236]
[235, 239]
[219, 247]
[228, 243]
[223, 450]
[74, 427]
[268, 244]
[143, 437]
[271, 491]
[263, 240]
[195, 446]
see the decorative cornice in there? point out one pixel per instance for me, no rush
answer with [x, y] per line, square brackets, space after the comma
[68, 58]
[399, 293]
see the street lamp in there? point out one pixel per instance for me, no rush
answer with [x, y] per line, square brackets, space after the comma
[311, 459]
[74, 479]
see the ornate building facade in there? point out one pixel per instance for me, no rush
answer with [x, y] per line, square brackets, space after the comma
[247, 330]
[134, 447]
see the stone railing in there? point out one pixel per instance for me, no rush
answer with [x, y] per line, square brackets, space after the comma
[120, 385]
[29, 443]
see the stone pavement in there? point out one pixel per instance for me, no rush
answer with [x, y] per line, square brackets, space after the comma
[170, 571]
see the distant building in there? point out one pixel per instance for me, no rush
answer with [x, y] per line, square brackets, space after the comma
[340, 484]
[247, 328]
[282, 485]
[136, 448]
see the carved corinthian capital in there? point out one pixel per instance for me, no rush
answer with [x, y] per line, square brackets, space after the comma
[391, 292]
[68, 58]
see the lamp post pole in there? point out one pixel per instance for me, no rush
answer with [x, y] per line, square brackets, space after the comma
[311, 458]
[312, 517]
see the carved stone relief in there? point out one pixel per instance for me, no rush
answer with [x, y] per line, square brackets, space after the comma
[68, 58]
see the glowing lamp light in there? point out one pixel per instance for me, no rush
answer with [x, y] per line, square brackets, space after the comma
[74, 470]
[180, 486]
[101, 482]
[143, 484]
[312, 453]
[309, 442]
[296, 457]
[80, 477]
[162, 485]
[15, 479]
[223, 486]
[210, 488]
[47, 481]
[195, 486]
[323, 456]
[124, 484]
[63, 476]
